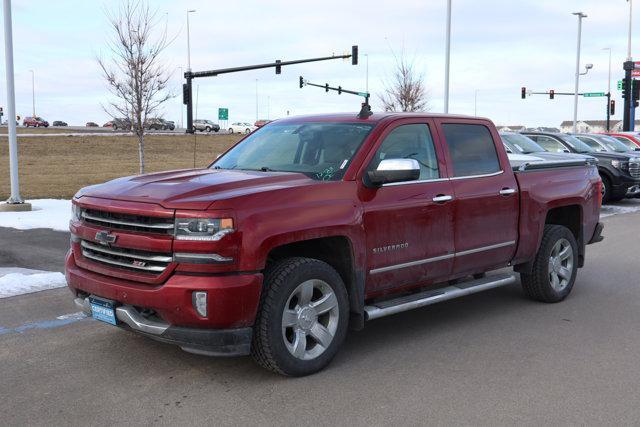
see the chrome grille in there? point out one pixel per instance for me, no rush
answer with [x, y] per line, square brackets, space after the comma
[634, 169]
[128, 222]
[131, 259]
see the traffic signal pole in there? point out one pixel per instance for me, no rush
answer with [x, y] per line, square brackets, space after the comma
[190, 75]
[628, 102]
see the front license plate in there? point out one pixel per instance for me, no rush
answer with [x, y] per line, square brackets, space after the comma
[103, 310]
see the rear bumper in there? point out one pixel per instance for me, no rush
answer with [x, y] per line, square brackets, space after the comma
[210, 342]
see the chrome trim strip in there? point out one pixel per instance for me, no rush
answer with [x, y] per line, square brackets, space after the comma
[154, 268]
[444, 294]
[128, 223]
[486, 248]
[455, 178]
[103, 249]
[420, 181]
[440, 258]
[410, 264]
[193, 258]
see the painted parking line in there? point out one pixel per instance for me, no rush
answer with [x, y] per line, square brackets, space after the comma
[63, 320]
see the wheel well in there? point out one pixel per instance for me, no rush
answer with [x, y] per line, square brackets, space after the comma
[338, 253]
[570, 217]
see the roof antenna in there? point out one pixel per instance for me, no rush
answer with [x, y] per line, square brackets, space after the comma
[365, 110]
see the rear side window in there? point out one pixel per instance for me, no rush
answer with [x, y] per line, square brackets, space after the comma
[549, 144]
[472, 149]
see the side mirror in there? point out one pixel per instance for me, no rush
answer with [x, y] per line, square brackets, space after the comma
[636, 149]
[565, 150]
[394, 170]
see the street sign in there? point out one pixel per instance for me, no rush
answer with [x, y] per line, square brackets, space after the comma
[223, 114]
[635, 73]
[593, 94]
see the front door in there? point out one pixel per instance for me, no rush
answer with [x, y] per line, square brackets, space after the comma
[409, 225]
[486, 199]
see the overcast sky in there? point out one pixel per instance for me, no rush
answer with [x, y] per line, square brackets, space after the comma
[498, 46]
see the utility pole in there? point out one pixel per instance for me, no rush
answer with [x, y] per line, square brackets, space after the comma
[33, 92]
[609, 93]
[256, 100]
[181, 105]
[189, 41]
[367, 73]
[580, 16]
[475, 103]
[15, 202]
[629, 103]
[447, 58]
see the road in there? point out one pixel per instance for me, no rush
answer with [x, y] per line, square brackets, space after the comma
[490, 359]
[85, 131]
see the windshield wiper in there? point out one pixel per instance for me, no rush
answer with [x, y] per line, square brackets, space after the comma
[266, 169]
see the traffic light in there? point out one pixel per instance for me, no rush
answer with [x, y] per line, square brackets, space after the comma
[524, 92]
[301, 82]
[278, 67]
[635, 90]
[552, 93]
[354, 55]
[612, 107]
[326, 87]
[186, 94]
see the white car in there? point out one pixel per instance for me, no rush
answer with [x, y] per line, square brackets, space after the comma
[240, 127]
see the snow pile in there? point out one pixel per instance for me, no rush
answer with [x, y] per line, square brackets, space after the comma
[20, 283]
[47, 213]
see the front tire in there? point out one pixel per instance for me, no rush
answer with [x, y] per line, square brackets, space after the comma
[208, 129]
[230, 130]
[303, 317]
[555, 267]
[247, 130]
[606, 189]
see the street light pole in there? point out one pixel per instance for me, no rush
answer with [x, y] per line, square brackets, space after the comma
[367, 73]
[447, 58]
[189, 41]
[256, 100]
[630, 22]
[14, 198]
[33, 92]
[580, 16]
[475, 104]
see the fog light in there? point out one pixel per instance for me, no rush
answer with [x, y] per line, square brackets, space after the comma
[200, 302]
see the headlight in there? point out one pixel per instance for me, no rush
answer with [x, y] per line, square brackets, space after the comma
[203, 228]
[618, 164]
[76, 212]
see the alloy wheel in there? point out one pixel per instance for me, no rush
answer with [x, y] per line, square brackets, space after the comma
[561, 265]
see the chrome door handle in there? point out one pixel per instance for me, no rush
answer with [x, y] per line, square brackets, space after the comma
[507, 191]
[442, 198]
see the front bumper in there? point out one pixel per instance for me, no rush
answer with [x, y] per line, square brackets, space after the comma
[232, 298]
[210, 342]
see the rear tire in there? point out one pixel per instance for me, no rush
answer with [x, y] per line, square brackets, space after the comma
[302, 319]
[208, 129]
[606, 189]
[230, 130]
[555, 266]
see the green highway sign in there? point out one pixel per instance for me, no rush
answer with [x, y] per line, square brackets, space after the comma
[593, 94]
[223, 114]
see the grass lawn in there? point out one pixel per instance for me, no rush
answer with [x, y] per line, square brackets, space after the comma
[56, 167]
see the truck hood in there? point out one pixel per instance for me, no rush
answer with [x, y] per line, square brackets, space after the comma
[609, 155]
[192, 188]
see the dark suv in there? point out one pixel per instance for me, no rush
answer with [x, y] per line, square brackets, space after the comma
[620, 172]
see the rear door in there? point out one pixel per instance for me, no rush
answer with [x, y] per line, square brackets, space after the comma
[486, 196]
[409, 225]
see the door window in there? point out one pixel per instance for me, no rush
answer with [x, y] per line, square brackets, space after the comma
[411, 141]
[549, 144]
[472, 149]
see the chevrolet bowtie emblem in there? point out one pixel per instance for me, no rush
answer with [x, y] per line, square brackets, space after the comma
[104, 238]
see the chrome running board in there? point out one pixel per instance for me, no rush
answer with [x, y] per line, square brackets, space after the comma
[421, 299]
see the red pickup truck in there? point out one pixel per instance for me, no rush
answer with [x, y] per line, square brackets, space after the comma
[311, 225]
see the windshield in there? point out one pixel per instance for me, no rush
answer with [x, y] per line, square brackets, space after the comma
[576, 144]
[613, 144]
[521, 144]
[321, 151]
[627, 142]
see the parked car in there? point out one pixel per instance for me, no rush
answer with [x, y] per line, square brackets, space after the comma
[316, 224]
[121, 124]
[631, 140]
[159, 124]
[171, 125]
[35, 122]
[604, 143]
[260, 123]
[241, 127]
[620, 172]
[205, 126]
[60, 123]
[92, 125]
[108, 124]
[521, 144]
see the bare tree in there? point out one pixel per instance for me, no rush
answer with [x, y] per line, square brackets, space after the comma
[406, 91]
[134, 72]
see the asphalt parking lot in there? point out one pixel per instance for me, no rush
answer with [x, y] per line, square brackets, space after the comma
[490, 359]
